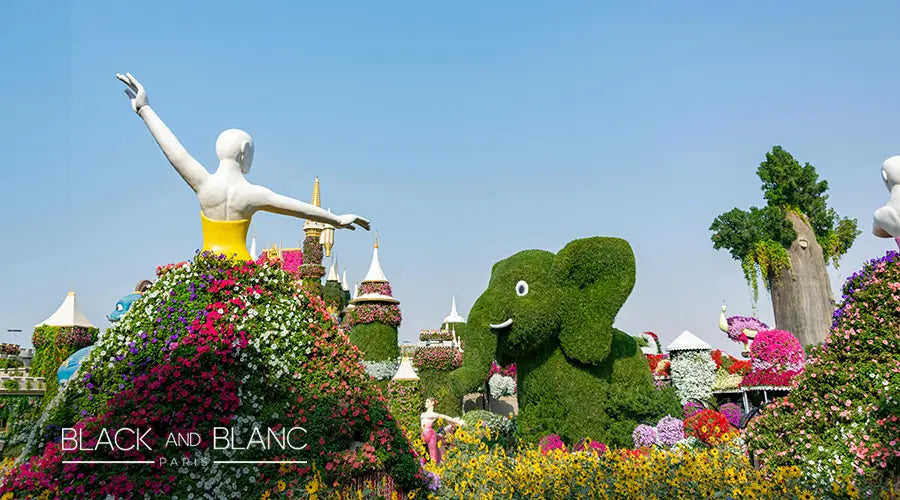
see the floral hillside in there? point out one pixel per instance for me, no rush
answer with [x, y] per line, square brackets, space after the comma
[215, 343]
[842, 416]
[776, 357]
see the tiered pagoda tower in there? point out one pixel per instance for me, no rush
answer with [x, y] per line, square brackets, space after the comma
[375, 316]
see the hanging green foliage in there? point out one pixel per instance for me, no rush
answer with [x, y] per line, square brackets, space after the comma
[759, 238]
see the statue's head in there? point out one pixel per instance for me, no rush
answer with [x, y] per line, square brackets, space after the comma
[237, 145]
[537, 300]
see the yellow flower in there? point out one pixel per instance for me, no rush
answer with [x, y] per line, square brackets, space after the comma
[264, 496]
[281, 486]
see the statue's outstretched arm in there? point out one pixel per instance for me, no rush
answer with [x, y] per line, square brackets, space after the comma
[262, 198]
[190, 169]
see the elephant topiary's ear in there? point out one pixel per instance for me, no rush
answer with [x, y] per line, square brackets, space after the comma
[597, 275]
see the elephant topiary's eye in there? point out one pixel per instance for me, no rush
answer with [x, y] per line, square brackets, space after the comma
[522, 288]
[120, 307]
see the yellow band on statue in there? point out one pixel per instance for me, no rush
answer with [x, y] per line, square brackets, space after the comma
[227, 237]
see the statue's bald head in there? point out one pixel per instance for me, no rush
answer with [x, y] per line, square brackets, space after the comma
[237, 145]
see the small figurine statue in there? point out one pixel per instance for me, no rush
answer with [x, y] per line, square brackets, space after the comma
[433, 440]
[227, 199]
[886, 222]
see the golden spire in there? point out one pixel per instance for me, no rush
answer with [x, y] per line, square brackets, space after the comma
[316, 196]
[376, 239]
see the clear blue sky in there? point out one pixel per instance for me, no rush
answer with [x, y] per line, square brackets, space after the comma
[464, 131]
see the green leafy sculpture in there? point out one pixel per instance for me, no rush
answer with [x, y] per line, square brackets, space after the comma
[553, 316]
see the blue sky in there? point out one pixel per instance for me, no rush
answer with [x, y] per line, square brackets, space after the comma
[464, 131]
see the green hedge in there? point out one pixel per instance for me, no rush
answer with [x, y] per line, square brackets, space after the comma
[578, 375]
[52, 345]
[333, 295]
[437, 385]
[377, 341]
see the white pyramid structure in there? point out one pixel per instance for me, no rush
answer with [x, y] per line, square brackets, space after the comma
[68, 314]
[375, 273]
[687, 341]
[344, 285]
[454, 316]
[332, 271]
[253, 254]
[405, 371]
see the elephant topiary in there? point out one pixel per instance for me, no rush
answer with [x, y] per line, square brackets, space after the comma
[553, 316]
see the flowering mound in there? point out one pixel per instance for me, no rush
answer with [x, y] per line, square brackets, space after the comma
[777, 357]
[830, 422]
[217, 362]
[730, 371]
[644, 435]
[708, 426]
[669, 430]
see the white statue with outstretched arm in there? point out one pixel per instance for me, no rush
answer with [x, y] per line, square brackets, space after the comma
[227, 199]
[886, 220]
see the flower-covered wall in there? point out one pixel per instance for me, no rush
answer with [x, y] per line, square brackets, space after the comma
[693, 374]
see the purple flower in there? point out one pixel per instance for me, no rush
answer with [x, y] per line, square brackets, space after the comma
[669, 430]
[732, 413]
[644, 435]
[691, 407]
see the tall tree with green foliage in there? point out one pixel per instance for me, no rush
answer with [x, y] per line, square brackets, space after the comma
[788, 243]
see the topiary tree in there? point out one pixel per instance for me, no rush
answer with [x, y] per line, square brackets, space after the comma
[553, 316]
[788, 244]
[830, 425]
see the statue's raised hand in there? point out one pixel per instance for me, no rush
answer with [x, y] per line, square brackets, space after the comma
[347, 221]
[135, 91]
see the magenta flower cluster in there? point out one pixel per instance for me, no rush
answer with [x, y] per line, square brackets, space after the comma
[551, 442]
[732, 413]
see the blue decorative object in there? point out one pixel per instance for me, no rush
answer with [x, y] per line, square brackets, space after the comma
[68, 367]
[122, 306]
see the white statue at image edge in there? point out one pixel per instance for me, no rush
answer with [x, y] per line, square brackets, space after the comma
[227, 199]
[887, 218]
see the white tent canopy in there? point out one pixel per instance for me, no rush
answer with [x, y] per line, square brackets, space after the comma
[68, 314]
[687, 341]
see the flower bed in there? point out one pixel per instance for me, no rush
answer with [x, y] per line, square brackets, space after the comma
[369, 312]
[379, 288]
[693, 374]
[437, 358]
[473, 470]
[435, 335]
[660, 366]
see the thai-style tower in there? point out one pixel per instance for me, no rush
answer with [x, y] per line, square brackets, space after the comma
[374, 320]
[454, 322]
[311, 271]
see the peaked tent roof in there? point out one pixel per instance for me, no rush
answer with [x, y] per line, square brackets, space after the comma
[344, 286]
[687, 341]
[454, 316]
[332, 271]
[68, 314]
[375, 273]
[405, 372]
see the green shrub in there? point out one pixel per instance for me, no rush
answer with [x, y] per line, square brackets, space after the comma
[377, 341]
[11, 385]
